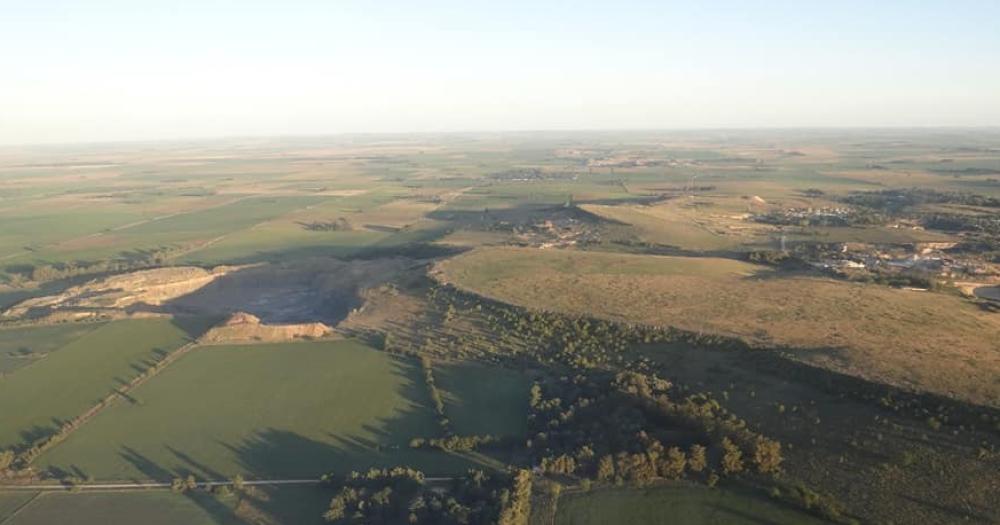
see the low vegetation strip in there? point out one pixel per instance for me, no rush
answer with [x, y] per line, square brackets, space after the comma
[428, 369]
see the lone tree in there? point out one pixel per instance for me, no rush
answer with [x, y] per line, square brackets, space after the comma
[767, 455]
[732, 457]
[696, 458]
[606, 469]
[672, 467]
[6, 459]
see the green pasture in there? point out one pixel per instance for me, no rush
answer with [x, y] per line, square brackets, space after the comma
[153, 507]
[274, 410]
[483, 400]
[20, 347]
[36, 400]
[674, 504]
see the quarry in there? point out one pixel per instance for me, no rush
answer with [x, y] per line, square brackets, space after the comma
[259, 302]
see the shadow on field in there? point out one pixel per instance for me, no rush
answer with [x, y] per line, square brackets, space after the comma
[292, 446]
[220, 512]
[730, 515]
[193, 326]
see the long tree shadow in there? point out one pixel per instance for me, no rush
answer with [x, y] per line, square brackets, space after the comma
[383, 441]
[219, 511]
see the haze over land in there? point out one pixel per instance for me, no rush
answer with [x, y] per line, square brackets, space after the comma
[521, 263]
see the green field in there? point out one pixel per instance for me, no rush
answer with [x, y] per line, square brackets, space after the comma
[182, 228]
[34, 228]
[35, 400]
[153, 507]
[284, 410]
[10, 502]
[482, 400]
[651, 228]
[674, 504]
[20, 347]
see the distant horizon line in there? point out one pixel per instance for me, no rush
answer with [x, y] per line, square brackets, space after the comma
[511, 131]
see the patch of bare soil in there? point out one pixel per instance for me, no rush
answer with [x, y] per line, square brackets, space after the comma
[314, 290]
[118, 292]
[242, 327]
[276, 301]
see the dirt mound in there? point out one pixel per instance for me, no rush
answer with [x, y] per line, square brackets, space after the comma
[244, 327]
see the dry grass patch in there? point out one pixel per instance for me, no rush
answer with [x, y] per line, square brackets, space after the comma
[923, 340]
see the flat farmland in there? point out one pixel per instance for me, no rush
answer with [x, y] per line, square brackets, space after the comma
[282, 410]
[153, 507]
[934, 341]
[20, 347]
[36, 400]
[483, 400]
[277, 241]
[290, 235]
[673, 225]
[31, 226]
[10, 502]
[673, 504]
[183, 228]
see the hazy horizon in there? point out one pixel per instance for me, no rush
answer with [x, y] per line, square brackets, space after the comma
[116, 72]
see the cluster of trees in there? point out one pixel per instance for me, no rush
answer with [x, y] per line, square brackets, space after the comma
[822, 505]
[532, 174]
[184, 484]
[6, 461]
[797, 218]
[403, 495]
[984, 229]
[908, 278]
[707, 416]
[599, 416]
[515, 505]
[982, 232]
[797, 259]
[625, 428]
[893, 201]
[339, 224]
[455, 443]
[778, 258]
[576, 341]
[138, 260]
[963, 222]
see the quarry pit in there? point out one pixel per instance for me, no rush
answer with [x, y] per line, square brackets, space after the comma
[265, 302]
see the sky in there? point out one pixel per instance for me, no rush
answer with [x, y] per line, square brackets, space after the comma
[91, 71]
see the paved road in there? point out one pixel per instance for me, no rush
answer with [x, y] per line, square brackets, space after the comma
[164, 485]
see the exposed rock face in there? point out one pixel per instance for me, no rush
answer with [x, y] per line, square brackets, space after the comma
[316, 292]
[244, 327]
[118, 292]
